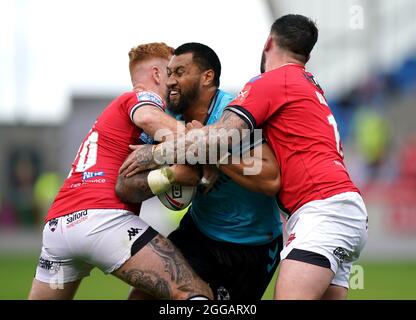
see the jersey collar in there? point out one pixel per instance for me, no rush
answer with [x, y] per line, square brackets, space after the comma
[292, 64]
[211, 106]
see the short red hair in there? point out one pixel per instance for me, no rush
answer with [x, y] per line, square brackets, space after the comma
[147, 51]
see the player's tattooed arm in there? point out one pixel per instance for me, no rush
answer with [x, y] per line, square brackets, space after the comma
[230, 120]
[169, 152]
[144, 158]
[256, 170]
[134, 189]
[222, 135]
[140, 159]
[229, 130]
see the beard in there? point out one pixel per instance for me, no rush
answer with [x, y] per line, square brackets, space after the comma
[186, 98]
[263, 63]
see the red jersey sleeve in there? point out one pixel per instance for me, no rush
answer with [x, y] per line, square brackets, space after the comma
[253, 104]
[142, 98]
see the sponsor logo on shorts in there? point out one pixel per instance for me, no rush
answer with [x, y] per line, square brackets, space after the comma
[341, 254]
[88, 175]
[76, 218]
[291, 237]
[49, 265]
[53, 224]
[223, 294]
[132, 232]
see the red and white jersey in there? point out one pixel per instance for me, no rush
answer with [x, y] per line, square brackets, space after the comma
[93, 176]
[289, 105]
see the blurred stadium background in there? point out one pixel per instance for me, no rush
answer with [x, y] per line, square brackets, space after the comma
[61, 62]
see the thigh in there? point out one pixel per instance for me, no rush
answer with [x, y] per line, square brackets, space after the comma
[328, 233]
[136, 294]
[234, 271]
[202, 254]
[335, 292]
[110, 237]
[159, 270]
[214, 261]
[253, 268]
[123, 244]
[45, 291]
[196, 248]
[301, 280]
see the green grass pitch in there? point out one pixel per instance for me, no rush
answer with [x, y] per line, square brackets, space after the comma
[382, 280]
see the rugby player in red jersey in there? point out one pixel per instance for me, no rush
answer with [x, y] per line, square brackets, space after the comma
[327, 218]
[88, 226]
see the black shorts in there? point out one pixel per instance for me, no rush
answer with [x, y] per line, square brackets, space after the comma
[233, 271]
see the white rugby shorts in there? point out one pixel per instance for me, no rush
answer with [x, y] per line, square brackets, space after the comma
[76, 243]
[335, 228]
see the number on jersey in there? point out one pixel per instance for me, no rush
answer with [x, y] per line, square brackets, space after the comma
[321, 98]
[87, 153]
[332, 122]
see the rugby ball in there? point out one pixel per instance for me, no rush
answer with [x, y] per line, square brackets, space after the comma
[177, 197]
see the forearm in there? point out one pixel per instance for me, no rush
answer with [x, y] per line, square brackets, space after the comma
[234, 171]
[156, 123]
[205, 145]
[196, 144]
[256, 170]
[229, 121]
[229, 131]
[145, 185]
[134, 189]
[264, 182]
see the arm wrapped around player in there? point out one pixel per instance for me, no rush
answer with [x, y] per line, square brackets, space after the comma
[146, 184]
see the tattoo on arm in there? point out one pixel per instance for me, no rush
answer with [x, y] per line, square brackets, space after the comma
[134, 189]
[230, 120]
[145, 157]
[229, 130]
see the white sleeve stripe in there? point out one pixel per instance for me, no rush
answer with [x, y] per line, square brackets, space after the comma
[243, 115]
[140, 104]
